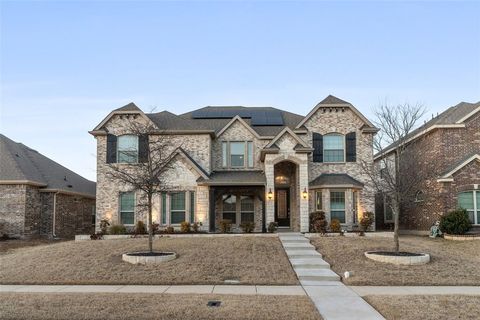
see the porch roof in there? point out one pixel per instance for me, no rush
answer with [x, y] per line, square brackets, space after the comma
[335, 180]
[234, 178]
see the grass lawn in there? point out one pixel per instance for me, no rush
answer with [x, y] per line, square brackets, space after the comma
[154, 306]
[426, 307]
[12, 244]
[452, 262]
[201, 261]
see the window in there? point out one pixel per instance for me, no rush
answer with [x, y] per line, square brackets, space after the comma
[229, 207]
[470, 201]
[387, 209]
[127, 208]
[237, 154]
[177, 207]
[419, 196]
[355, 206]
[250, 153]
[333, 148]
[318, 201]
[224, 154]
[192, 207]
[127, 149]
[337, 205]
[93, 215]
[246, 209]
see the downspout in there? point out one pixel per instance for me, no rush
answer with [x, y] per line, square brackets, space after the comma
[54, 213]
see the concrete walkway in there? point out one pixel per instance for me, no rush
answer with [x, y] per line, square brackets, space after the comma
[416, 290]
[333, 299]
[186, 289]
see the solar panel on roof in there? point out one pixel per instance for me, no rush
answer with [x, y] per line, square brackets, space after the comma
[259, 117]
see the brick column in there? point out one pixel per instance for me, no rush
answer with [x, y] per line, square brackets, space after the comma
[303, 185]
[269, 203]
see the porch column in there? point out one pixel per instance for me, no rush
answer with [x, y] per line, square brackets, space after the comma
[270, 186]
[211, 211]
[303, 184]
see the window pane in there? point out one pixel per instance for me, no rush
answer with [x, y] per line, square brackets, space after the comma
[192, 206]
[224, 154]
[465, 200]
[127, 201]
[318, 200]
[177, 217]
[333, 156]
[127, 148]
[229, 202]
[127, 217]
[177, 201]
[333, 148]
[337, 200]
[247, 216]
[237, 154]
[250, 153]
[230, 216]
[340, 215]
[246, 204]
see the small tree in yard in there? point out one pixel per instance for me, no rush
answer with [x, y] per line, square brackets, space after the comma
[147, 175]
[398, 175]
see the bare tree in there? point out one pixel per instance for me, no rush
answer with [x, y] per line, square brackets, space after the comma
[397, 174]
[146, 172]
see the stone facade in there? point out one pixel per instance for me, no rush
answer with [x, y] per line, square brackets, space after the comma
[436, 152]
[25, 211]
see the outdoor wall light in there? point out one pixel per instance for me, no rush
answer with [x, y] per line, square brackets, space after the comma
[270, 194]
[305, 193]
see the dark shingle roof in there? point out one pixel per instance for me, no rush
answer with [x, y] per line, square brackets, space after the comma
[449, 116]
[19, 162]
[129, 107]
[252, 177]
[333, 100]
[335, 179]
[458, 163]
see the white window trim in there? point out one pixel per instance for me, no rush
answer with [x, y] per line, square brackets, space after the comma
[419, 192]
[344, 202]
[228, 163]
[170, 211]
[344, 148]
[120, 209]
[321, 200]
[476, 208]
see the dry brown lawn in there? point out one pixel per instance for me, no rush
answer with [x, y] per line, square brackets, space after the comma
[154, 306]
[12, 244]
[426, 307]
[250, 260]
[452, 262]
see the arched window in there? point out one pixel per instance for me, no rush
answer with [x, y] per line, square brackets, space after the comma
[334, 147]
[419, 196]
[127, 149]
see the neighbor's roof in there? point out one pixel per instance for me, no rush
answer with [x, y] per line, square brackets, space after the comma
[335, 179]
[21, 163]
[251, 177]
[453, 116]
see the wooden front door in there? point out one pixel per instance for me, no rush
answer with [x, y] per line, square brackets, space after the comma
[282, 207]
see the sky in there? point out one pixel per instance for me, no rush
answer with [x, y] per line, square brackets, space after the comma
[65, 65]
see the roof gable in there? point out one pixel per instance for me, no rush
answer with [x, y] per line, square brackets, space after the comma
[241, 121]
[448, 176]
[130, 108]
[289, 131]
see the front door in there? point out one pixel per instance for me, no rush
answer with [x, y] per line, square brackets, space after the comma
[282, 207]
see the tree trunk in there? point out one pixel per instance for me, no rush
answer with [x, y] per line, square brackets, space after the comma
[150, 228]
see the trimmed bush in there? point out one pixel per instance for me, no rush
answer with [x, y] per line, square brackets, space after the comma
[140, 228]
[196, 226]
[155, 227]
[225, 226]
[169, 230]
[247, 227]
[335, 225]
[272, 227]
[318, 223]
[118, 229]
[367, 220]
[185, 227]
[455, 222]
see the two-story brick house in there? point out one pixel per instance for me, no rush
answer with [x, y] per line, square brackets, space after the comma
[246, 164]
[447, 148]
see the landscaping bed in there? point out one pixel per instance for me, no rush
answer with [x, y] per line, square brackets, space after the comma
[250, 260]
[154, 306]
[451, 262]
[426, 307]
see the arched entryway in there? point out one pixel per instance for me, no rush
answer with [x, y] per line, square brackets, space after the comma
[286, 194]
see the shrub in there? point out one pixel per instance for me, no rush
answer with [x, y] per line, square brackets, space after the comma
[318, 223]
[335, 225]
[169, 230]
[196, 226]
[247, 227]
[140, 228]
[155, 227]
[225, 226]
[367, 220]
[185, 227]
[104, 224]
[272, 227]
[455, 222]
[96, 236]
[118, 229]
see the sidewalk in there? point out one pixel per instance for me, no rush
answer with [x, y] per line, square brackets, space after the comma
[188, 289]
[416, 290]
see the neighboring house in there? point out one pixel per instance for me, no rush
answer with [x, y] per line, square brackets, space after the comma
[39, 197]
[245, 164]
[448, 148]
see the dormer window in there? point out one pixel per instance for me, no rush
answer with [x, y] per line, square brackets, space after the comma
[127, 149]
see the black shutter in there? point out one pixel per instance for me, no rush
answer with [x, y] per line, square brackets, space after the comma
[317, 147]
[143, 148]
[111, 148]
[351, 147]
